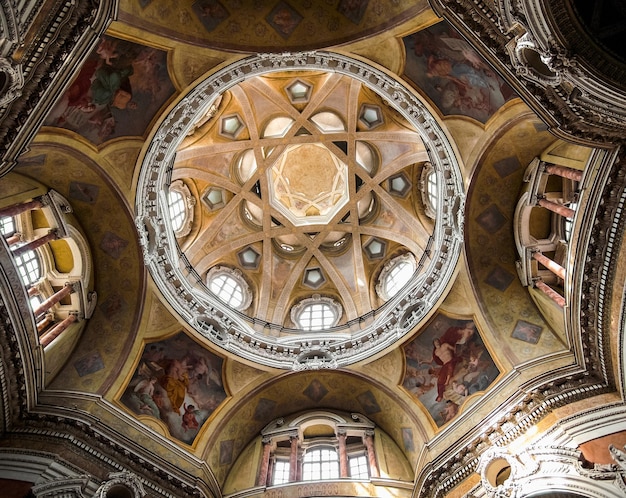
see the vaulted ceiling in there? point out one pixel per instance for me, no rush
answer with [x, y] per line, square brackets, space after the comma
[305, 178]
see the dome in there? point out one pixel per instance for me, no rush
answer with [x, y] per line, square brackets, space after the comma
[311, 203]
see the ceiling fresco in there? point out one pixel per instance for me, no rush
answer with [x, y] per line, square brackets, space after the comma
[248, 25]
[447, 363]
[453, 75]
[117, 92]
[178, 382]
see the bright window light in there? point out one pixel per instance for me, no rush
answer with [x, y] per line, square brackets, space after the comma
[358, 467]
[177, 209]
[568, 223]
[227, 289]
[281, 472]
[316, 316]
[7, 225]
[399, 275]
[431, 186]
[35, 301]
[320, 464]
[29, 268]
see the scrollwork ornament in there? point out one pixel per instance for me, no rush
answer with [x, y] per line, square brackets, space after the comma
[12, 88]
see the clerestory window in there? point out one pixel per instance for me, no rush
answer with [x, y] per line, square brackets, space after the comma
[316, 313]
[358, 467]
[395, 275]
[229, 286]
[320, 463]
[323, 445]
[281, 472]
[177, 210]
[7, 226]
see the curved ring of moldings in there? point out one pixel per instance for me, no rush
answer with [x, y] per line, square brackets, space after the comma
[240, 334]
[126, 480]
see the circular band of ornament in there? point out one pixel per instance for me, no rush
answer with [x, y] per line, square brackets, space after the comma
[259, 341]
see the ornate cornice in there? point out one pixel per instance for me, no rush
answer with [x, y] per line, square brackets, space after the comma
[606, 236]
[512, 420]
[90, 442]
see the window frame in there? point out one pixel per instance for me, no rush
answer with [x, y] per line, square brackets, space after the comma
[307, 304]
[235, 276]
[332, 465]
[179, 188]
[387, 273]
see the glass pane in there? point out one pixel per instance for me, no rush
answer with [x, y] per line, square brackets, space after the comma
[281, 472]
[7, 225]
[228, 290]
[358, 467]
[28, 266]
[177, 209]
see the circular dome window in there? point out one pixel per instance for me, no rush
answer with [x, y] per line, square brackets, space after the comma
[309, 182]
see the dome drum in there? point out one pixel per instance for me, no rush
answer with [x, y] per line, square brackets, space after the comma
[345, 203]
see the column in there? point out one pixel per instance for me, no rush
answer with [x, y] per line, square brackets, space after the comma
[52, 235]
[343, 454]
[556, 208]
[14, 239]
[551, 265]
[16, 209]
[265, 462]
[293, 459]
[570, 173]
[41, 325]
[368, 440]
[67, 289]
[270, 472]
[550, 292]
[57, 330]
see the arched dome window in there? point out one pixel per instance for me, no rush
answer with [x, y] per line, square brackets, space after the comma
[429, 189]
[180, 207]
[395, 275]
[230, 287]
[177, 210]
[316, 313]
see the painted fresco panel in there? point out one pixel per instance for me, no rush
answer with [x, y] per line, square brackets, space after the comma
[117, 92]
[452, 74]
[445, 364]
[179, 382]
